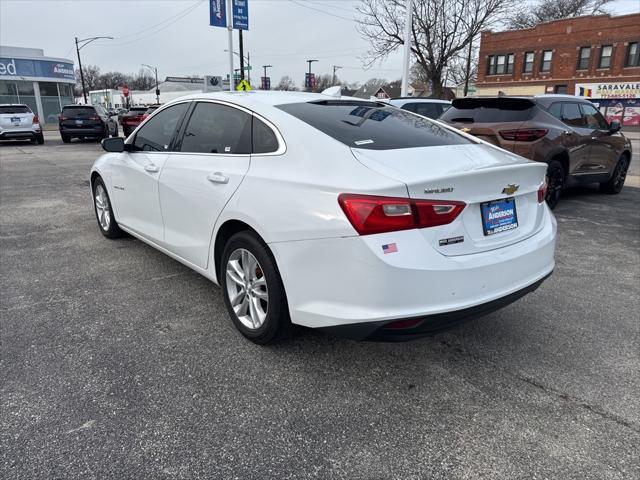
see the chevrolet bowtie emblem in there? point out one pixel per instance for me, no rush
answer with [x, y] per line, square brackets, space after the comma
[465, 129]
[511, 189]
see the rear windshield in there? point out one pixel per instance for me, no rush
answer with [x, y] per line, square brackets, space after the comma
[488, 110]
[137, 110]
[14, 109]
[75, 112]
[372, 125]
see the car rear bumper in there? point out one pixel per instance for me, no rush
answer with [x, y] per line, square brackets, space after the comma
[94, 131]
[19, 134]
[339, 282]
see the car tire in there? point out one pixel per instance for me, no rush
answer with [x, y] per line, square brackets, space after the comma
[104, 212]
[614, 185]
[555, 183]
[247, 264]
[39, 139]
[105, 133]
[115, 131]
[65, 139]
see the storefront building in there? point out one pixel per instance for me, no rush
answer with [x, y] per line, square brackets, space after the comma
[595, 56]
[43, 83]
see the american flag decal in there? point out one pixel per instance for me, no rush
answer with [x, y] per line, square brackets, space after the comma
[389, 248]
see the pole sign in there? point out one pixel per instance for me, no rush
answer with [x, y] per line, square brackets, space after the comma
[266, 83]
[217, 13]
[125, 91]
[310, 80]
[240, 14]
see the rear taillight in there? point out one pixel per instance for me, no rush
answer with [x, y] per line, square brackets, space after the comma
[372, 214]
[94, 117]
[36, 120]
[542, 191]
[524, 135]
[62, 118]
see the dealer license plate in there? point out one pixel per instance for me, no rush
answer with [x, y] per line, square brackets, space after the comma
[499, 216]
[15, 120]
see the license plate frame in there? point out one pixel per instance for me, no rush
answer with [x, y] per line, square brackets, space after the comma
[79, 122]
[501, 222]
[15, 121]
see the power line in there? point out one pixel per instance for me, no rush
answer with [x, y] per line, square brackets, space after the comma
[320, 10]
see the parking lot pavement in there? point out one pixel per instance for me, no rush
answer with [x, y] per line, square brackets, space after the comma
[118, 362]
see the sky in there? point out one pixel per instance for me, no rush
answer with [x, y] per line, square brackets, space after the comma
[175, 36]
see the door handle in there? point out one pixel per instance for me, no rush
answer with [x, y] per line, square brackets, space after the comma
[594, 138]
[151, 168]
[217, 177]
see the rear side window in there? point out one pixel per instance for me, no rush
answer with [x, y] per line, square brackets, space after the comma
[263, 138]
[216, 128]
[571, 115]
[156, 134]
[489, 110]
[429, 110]
[14, 109]
[78, 112]
[371, 125]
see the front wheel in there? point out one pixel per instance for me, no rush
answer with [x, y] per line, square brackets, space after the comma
[253, 290]
[555, 183]
[104, 212]
[614, 185]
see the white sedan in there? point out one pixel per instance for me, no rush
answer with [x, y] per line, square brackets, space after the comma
[332, 213]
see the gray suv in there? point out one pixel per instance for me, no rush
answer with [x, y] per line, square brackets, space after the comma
[567, 133]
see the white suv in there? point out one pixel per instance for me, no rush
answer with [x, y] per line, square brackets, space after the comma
[18, 122]
[427, 107]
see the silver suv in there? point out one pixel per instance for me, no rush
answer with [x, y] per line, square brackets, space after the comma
[18, 122]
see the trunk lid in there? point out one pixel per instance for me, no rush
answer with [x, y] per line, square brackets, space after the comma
[18, 118]
[473, 174]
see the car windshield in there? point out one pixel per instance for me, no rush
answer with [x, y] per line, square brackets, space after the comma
[77, 112]
[372, 125]
[14, 109]
[488, 110]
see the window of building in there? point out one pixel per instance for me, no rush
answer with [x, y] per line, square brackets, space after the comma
[510, 60]
[545, 66]
[633, 55]
[500, 64]
[527, 65]
[583, 58]
[491, 65]
[561, 89]
[605, 56]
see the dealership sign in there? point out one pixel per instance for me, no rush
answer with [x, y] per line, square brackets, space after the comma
[19, 67]
[608, 90]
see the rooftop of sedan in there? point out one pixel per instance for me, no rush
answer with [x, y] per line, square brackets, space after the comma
[270, 97]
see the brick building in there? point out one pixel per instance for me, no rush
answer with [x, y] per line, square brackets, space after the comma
[592, 56]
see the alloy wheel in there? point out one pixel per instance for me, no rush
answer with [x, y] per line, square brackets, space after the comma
[620, 174]
[555, 182]
[102, 208]
[247, 288]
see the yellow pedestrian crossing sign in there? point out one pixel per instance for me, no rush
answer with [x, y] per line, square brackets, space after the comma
[243, 86]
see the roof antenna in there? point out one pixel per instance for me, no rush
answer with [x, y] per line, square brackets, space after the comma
[333, 91]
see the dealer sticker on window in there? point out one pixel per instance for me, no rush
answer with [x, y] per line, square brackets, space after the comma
[499, 216]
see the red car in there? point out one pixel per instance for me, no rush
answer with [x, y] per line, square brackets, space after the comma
[132, 119]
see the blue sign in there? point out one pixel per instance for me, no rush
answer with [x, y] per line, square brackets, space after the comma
[241, 14]
[218, 13]
[19, 67]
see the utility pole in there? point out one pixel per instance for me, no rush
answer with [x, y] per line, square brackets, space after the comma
[407, 49]
[333, 80]
[468, 72]
[240, 45]
[155, 69]
[85, 42]
[265, 75]
[309, 89]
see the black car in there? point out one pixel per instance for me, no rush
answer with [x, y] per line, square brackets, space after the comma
[86, 121]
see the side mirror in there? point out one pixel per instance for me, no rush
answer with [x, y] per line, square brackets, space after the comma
[614, 126]
[115, 144]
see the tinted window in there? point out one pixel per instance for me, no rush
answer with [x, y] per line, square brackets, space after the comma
[371, 125]
[556, 110]
[14, 109]
[155, 135]
[78, 112]
[488, 110]
[571, 115]
[263, 138]
[215, 128]
[593, 118]
[430, 110]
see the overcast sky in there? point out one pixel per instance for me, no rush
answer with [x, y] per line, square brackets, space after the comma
[175, 35]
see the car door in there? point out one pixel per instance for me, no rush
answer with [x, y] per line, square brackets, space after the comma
[603, 155]
[212, 158]
[136, 172]
[576, 137]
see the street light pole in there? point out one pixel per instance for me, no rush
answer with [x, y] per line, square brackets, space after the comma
[85, 42]
[309, 78]
[333, 80]
[155, 69]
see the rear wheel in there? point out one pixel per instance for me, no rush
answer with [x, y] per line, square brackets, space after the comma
[39, 139]
[555, 183]
[115, 131]
[104, 213]
[616, 182]
[105, 133]
[253, 290]
[65, 139]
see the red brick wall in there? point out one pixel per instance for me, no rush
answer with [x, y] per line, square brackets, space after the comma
[564, 37]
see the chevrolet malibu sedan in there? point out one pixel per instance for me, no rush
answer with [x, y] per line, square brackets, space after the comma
[329, 212]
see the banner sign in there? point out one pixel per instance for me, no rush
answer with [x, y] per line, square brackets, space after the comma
[608, 90]
[218, 13]
[241, 14]
[265, 83]
[18, 67]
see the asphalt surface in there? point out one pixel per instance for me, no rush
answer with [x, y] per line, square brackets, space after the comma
[118, 362]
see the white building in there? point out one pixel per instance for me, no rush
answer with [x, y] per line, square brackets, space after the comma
[170, 89]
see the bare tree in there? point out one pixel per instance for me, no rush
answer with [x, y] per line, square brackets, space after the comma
[547, 10]
[286, 83]
[440, 31]
[91, 78]
[324, 81]
[142, 81]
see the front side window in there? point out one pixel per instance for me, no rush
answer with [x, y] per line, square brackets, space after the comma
[547, 55]
[571, 115]
[217, 128]
[372, 125]
[583, 58]
[633, 55]
[156, 134]
[605, 56]
[527, 66]
[593, 118]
